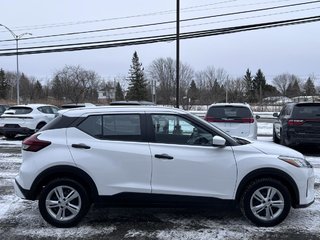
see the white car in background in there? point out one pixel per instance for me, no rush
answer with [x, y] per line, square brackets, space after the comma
[236, 119]
[26, 119]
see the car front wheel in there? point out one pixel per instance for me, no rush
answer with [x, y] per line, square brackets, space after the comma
[266, 202]
[63, 202]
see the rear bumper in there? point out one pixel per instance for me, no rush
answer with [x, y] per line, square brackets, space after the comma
[295, 139]
[16, 130]
[21, 192]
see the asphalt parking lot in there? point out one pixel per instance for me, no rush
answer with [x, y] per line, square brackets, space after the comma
[20, 219]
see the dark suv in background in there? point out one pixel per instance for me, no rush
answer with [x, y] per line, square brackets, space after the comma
[298, 123]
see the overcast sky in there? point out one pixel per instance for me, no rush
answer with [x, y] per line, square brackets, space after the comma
[292, 49]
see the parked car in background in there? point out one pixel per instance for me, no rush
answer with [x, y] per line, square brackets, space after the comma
[298, 123]
[76, 105]
[120, 103]
[153, 156]
[3, 108]
[26, 119]
[236, 119]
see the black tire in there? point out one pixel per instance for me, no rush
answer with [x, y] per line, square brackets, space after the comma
[63, 212]
[275, 137]
[10, 135]
[266, 212]
[282, 139]
[39, 126]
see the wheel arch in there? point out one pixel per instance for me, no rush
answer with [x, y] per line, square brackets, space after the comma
[42, 122]
[63, 171]
[273, 173]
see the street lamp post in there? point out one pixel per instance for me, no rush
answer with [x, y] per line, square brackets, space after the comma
[16, 38]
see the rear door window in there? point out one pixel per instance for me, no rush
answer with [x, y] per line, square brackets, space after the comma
[126, 127]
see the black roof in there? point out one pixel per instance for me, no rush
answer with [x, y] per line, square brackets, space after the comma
[118, 103]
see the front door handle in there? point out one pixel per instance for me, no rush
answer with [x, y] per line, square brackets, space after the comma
[80, 145]
[163, 156]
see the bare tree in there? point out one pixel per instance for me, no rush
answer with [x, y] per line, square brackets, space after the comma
[212, 84]
[76, 84]
[236, 90]
[163, 71]
[282, 82]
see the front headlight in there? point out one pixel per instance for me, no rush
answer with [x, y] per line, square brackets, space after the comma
[297, 162]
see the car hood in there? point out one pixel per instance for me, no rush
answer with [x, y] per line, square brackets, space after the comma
[271, 148]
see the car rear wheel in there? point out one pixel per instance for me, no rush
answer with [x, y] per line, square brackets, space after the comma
[266, 202]
[63, 202]
[10, 135]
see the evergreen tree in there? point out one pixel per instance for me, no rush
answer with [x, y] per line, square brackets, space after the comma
[38, 92]
[294, 89]
[119, 93]
[193, 92]
[309, 88]
[57, 89]
[249, 88]
[259, 83]
[137, 86]
[4, 85]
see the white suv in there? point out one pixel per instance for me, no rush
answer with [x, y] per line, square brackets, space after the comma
[152, 156]
[26, 119]
[236, 119]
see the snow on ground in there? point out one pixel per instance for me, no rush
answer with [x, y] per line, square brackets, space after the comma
[265, 129]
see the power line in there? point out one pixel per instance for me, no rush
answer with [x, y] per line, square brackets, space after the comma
[187, 9]
[117, 18]
[169, 28]
[163, 38]
[169, 22]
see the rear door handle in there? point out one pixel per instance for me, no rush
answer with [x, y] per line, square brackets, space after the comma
[80, 145]
[163, 156]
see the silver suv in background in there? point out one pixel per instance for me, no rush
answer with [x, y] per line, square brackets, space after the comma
[236, 119]
[26, 119]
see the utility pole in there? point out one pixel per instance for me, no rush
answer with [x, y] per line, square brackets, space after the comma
[178, 55]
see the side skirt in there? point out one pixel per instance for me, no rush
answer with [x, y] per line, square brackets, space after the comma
[161, 200]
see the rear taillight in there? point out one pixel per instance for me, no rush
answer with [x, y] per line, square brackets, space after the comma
[33, 144]
[247, 120]
[209, 119]
[240, 120]
[295, 122]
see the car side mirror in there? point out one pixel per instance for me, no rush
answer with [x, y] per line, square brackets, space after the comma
[218, 141]
[275, 114]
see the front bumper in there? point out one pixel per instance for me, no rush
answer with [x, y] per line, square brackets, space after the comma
[307, 192]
